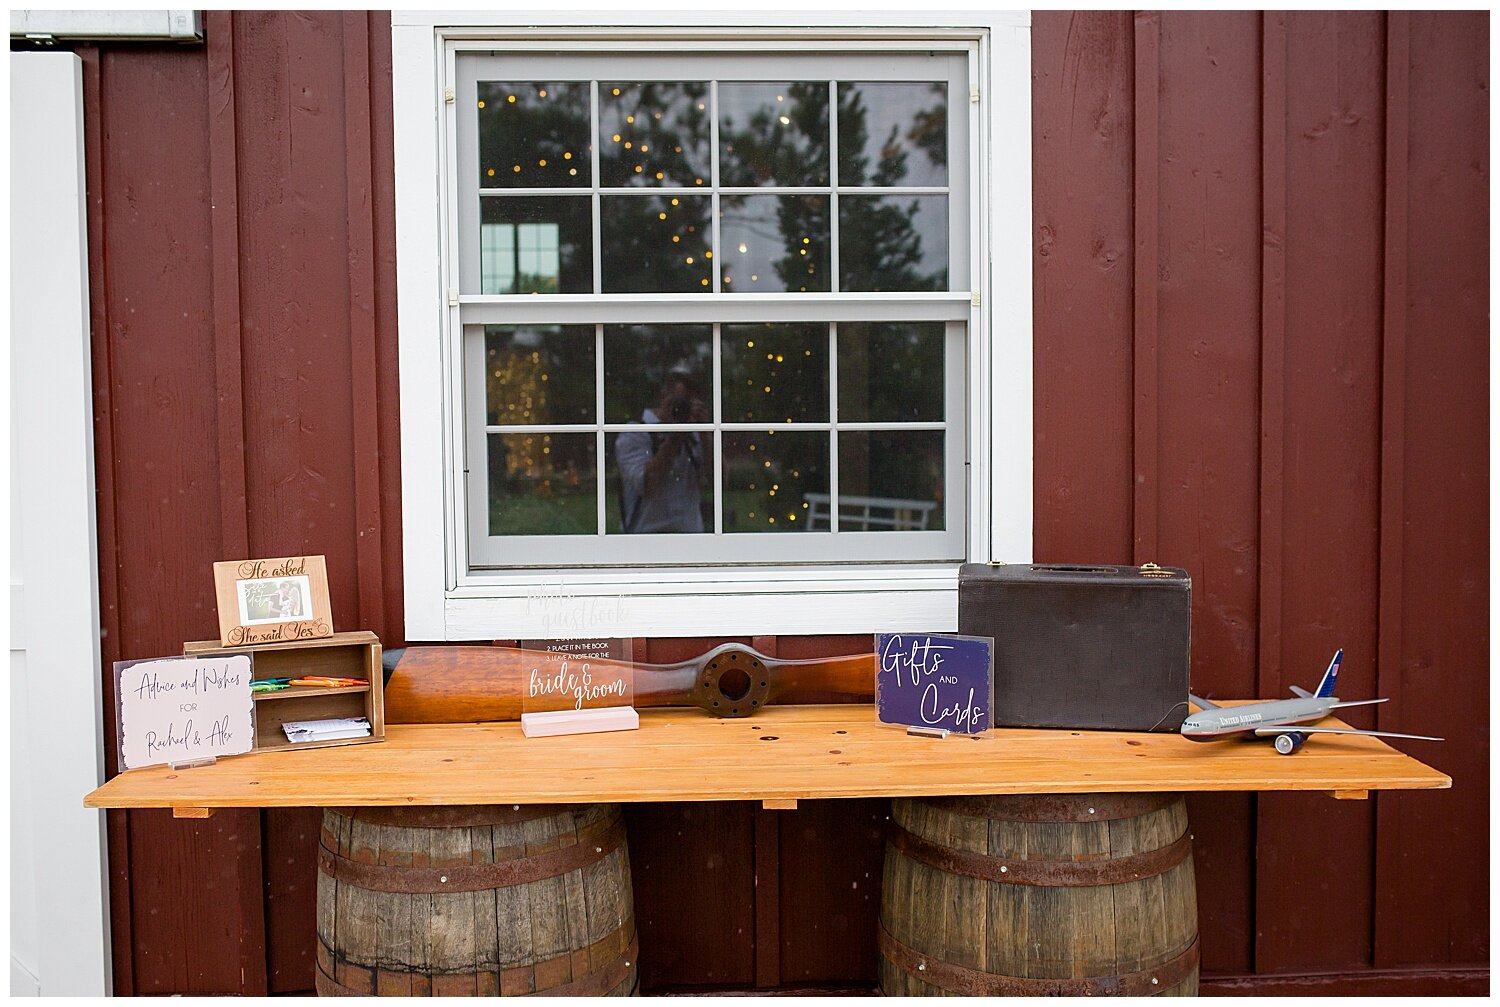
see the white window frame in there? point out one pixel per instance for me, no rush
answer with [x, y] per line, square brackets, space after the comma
[446, 601]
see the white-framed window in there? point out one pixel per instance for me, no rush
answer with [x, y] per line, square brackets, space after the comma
[710, 331]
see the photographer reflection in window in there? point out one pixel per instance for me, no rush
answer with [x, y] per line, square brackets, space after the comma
[662, 475]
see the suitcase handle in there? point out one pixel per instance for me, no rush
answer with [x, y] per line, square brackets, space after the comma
[1073, 568]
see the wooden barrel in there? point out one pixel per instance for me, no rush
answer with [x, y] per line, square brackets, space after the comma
[1059, 895]
[475, 901]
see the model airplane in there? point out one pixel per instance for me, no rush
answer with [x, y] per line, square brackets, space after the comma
[1280, 719]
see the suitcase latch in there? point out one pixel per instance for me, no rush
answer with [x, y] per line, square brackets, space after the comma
[1152, 570]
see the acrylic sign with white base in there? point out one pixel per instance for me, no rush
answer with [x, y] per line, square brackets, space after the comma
[577, 687]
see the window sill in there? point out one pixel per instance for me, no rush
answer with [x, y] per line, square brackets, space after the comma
[702, 602]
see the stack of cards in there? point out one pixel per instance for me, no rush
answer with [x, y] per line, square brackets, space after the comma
[333, 729]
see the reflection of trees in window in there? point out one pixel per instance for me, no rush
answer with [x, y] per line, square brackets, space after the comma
[656, 244]
[775, 372]
[542, 484]
[536, 375]
[774, 242]
[774, 134]
[778, 134]
[539, 374]
[880, 242]
[929, 131]
[654, 134]
[903, 126]
[538, 134]
[534, 135]
[891, 372]
[804, 223]
[767, 477]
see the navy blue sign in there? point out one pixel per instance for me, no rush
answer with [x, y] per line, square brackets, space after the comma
[935, 680]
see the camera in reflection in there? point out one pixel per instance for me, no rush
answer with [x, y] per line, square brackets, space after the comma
[679, 409]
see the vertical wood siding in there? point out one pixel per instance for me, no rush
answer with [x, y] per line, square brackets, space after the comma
[1435, 477]
[245, 388]
[1302, 337]
[1261, 317]
[1320, 448]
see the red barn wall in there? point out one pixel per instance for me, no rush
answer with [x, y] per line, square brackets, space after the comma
[1261, 348]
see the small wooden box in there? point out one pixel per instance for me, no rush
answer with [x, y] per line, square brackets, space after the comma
[343, 655]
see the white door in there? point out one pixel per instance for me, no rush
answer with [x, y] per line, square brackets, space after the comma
[59, 929]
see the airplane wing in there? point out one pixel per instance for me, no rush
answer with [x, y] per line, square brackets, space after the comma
[1203, 704]
[1303, 693]
[1268, 732]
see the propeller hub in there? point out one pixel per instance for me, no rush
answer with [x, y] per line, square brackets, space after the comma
[733, 681]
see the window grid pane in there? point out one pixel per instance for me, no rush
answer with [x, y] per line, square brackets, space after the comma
[893, 218]
[517, 443]
[532, 251]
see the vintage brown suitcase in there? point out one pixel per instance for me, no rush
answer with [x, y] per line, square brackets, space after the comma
[1082, 646]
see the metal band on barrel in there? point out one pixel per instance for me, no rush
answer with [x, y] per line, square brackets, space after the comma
[601, 982]
[1044, 808]
[971, 982]
[329, 988]
[591, 848]
[593, 984]
[457, 817]
[1047, 873]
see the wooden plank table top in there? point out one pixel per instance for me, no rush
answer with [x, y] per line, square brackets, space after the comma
[783, 755]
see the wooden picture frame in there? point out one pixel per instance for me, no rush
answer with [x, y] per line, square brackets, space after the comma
[266, 601]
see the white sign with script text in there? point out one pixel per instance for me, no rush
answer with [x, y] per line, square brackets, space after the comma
[184, 709]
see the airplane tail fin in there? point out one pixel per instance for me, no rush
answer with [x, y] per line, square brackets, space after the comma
[1330, 677]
